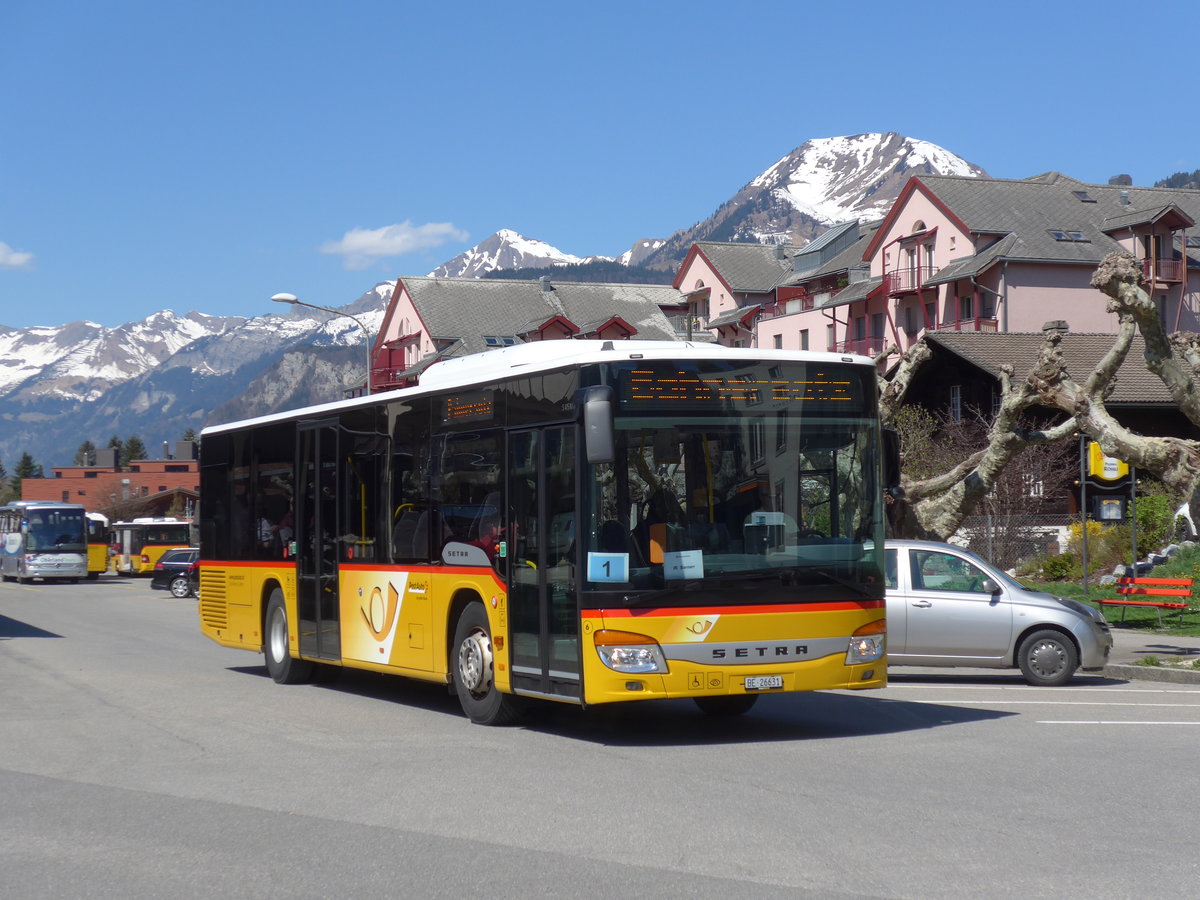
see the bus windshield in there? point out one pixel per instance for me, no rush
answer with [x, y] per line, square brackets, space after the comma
[753, 486]
[52, 529]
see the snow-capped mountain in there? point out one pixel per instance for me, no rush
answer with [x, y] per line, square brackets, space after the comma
[82, 360]
[819, 183]
[506, 250]
[160, 376]
[842, 178]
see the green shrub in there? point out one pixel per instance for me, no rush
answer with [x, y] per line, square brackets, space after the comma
[1060, 567]
[1155, 521]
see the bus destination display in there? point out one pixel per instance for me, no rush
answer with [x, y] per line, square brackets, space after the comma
[673, 386]
[468, 406]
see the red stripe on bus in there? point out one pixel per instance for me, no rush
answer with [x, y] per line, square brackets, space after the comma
[355, 567]
[735, 610]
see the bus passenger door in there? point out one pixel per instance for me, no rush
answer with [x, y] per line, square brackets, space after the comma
[539, 538]
[316, 529]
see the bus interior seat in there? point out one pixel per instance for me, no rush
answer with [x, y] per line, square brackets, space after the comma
[404, 533]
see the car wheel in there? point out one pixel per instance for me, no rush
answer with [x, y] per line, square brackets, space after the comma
[180, 587]
[281, 665]
[727, 705]
[474, 672]
[1047, 658]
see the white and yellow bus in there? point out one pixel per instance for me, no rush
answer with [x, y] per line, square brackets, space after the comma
[138, 543]
[575, 521]
[42, 539]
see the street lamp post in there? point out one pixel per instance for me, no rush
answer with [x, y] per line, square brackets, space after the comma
[293, 300]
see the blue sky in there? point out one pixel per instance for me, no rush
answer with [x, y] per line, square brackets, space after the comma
[205, 155]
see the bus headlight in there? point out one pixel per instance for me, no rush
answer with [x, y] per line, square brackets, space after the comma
[867, 644]
[629, 653]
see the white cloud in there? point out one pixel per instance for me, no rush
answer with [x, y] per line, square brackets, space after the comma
[14, 259]
[359, 247]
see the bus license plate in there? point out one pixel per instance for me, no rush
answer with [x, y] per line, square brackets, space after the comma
[763, 682]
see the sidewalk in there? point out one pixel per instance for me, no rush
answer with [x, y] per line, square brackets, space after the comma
[1131, 646]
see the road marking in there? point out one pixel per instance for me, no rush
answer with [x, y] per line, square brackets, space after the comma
[1056, 703]
[1105, 722]
[1030, 688]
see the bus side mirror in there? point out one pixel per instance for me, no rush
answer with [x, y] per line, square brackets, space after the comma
[596, 408]
[891, 458]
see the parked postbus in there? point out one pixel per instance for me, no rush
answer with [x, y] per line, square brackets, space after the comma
[98, 544]
[137, 544]
[576, 521]
[43, 539]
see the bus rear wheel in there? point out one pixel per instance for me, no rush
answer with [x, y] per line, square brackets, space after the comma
[474, 672]
[281, 665]
[727, 704]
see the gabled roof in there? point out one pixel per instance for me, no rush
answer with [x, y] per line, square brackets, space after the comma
[735, 316]
[970, 266]
[1039, 209]
[1149, 217]
[744, 268]
[851, 257]
[466, 309]
[852, 293]
[1082, 352]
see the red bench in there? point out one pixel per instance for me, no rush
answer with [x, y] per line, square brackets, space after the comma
[1179, 589]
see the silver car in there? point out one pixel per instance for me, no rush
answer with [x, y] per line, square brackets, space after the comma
[947, 607]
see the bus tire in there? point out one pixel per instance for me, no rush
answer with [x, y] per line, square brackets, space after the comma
[281, 665]
[474, 671]
[726, 704]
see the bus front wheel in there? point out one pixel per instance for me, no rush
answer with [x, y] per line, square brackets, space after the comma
[281, 665]
[474, 671]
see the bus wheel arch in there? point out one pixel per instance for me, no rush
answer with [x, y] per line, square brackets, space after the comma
[472, 666]
[282, 666]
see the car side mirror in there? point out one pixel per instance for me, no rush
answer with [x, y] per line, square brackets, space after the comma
[990, 586]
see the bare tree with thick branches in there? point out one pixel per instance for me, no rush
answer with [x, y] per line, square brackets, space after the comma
[935, 507]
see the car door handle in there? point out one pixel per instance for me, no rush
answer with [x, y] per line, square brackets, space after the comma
[922, 604]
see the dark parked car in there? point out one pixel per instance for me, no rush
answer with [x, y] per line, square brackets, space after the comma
[177, 572]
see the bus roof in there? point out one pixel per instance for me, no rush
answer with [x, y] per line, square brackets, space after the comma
[26, 504]
[546, 356]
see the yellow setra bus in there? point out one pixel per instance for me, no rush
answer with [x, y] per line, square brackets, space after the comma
[574, 521]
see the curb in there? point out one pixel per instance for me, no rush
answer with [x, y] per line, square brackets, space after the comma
[1153, 673]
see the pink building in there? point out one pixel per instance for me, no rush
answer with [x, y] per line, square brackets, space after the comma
[429, 319]
[963, 254]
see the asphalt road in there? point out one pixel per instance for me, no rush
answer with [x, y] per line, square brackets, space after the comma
[139, 760]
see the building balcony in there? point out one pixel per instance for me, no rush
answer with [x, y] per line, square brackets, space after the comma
[907, 281]
[1161, 270]
[688, 324]
[979, 323]
[871, 346]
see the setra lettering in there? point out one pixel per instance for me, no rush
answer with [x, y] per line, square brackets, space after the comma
[774, 651]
